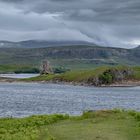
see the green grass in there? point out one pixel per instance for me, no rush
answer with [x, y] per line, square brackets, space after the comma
[40, 78]
[77, 75]
[84, 75]
[30, 128]
[137, 72]
[99, 125]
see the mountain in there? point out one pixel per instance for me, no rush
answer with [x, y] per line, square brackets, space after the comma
[7, 44]
[40, 44]
[137, 48]
[69, 56]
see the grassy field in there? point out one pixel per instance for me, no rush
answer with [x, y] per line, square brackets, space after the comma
[99, 125]
[31, 128]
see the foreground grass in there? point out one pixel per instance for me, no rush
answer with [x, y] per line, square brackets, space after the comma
[100, 125]
[30, 128]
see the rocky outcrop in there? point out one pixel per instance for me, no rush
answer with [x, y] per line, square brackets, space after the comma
[111, 76]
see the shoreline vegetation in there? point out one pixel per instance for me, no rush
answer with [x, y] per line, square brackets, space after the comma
[118, 76]
[101, 76]
[114, 124]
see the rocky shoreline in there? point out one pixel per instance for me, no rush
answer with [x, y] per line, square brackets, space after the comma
[129, 83]
[121, 84]
[7, 80]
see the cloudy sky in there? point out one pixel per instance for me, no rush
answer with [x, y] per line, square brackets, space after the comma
[106, 22]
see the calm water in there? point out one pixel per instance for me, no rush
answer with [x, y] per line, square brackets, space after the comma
[24, 99]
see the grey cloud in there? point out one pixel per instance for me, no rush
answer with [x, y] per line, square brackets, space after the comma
[11, 1]
[105, 22]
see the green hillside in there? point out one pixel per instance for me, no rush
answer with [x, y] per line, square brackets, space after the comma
[71, 57]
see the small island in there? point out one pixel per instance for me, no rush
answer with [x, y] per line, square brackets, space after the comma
[101, 76]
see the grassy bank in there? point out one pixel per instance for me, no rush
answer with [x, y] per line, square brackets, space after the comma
[31, 128]
[98, 76]
[100, 125]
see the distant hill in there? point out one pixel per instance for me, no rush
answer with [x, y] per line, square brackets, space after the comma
[40, 44]
[137, 48]
[73, 56]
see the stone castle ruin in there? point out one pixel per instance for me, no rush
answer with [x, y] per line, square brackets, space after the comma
[46, 67]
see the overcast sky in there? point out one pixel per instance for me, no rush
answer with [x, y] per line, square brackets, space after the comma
[113, 23]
